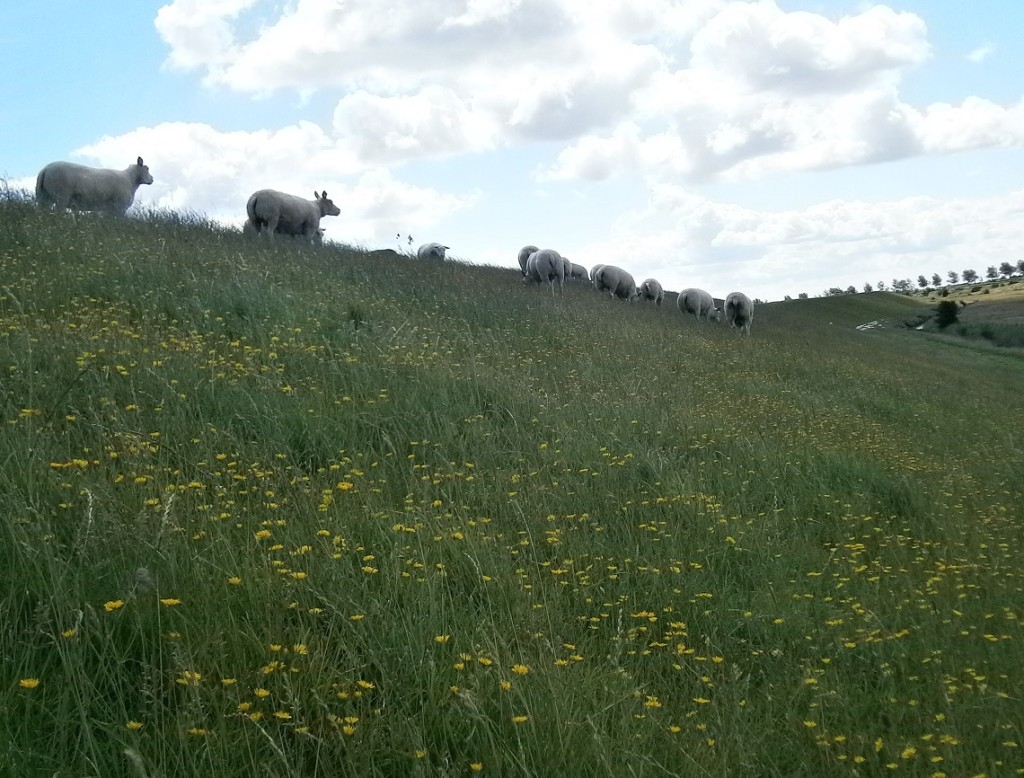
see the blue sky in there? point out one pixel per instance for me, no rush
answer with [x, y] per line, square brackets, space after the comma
[770, 147]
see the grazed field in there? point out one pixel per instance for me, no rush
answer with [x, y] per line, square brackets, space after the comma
[282, 511]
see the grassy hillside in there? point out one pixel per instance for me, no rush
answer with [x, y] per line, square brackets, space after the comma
[276, 510]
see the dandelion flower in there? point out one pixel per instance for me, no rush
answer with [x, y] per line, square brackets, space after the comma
[476, 766]
[113, 605]
[170, 602]
[133, 726]
[28, 683]
[442, 639]
[520, 719]
[520, 669]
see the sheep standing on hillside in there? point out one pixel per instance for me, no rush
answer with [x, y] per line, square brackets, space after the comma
[576, 272]
[699, 303]
[545, 265]
[524, 256]
[616, 281]
[650, 289]
[739, 311]
[83, 188]
[277, 213]
[432, 251]
[593, 274]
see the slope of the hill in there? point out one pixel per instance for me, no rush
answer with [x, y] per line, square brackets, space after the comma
[275, 509]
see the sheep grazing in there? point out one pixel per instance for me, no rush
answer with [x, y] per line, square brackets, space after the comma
[276, 213]
[433, 251]
[524, 256]
[699, 303]
[83, 188]
[739, 311]
[545, 265]
[616, 281]
[593, 273]
[576, 272]
[650, 289]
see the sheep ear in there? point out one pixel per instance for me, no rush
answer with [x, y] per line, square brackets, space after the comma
[139, 162]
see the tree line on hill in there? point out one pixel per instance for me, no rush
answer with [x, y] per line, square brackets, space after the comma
[1005, 271]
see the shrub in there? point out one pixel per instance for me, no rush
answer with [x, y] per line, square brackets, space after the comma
[945, 313]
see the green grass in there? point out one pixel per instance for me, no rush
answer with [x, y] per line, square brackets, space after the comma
[277, 510]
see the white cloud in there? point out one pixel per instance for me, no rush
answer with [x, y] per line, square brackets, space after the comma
[980, 54]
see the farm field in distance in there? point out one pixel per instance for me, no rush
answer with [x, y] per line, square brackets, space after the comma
[271, 509]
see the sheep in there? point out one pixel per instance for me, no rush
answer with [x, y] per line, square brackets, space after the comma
[593, 273]
[432, 251]
[699, 303]
[650, 289]
[545, 265]
[277, 213]
[739, 311]
[83, 188]
[524, 256]
[576, 272]
[615, 281]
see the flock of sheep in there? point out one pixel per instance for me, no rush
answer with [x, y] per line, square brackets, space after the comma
[79, 187]
[548, 266]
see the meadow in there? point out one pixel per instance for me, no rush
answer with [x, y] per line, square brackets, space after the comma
[278, 510]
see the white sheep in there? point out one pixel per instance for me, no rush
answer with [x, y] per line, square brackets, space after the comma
[739, 311]
[699, 303]
[593, 273]
[276, 213]
[576, 272]
[545, 265]
[616, 281]
[432, 251]
[83, 188]
[651, 289]
[524, 256]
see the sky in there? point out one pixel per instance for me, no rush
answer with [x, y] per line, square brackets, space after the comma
[774, 147]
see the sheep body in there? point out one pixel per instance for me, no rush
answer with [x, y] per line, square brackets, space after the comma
[651, 289]
[739, 311]
[616, 281]
[84, 188]
[545, 265]
[432, 251]
[524, 256]
[278, 213]
[699, 303]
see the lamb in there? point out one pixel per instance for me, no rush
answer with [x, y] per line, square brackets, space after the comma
[739, 311]
[277, 213]
[83, 188]
[650, 289]
[699, 303]
[615, 281]
[524, 256]
[545, 265]
[432, 251]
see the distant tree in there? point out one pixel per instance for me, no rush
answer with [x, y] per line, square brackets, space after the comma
[851, 289]
[902, 285]
[953, 276]
[787, 298]
[922, 281]
[802, 296]
[867, 287]
[832, 291]
[881, 286]
[1006, 269]
[945, 312]
[937, 279]
[970, 276]
[991, 274]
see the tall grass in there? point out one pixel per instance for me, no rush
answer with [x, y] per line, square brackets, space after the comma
[276, 510]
